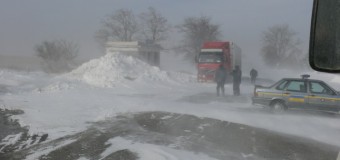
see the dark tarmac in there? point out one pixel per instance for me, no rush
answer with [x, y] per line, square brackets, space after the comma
[215, 138]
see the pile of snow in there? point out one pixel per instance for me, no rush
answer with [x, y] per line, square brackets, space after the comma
[112, 69]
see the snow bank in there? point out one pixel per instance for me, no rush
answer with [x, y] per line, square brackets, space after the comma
[113, 69]
[14, 78]
[12, 81]
[56, 86]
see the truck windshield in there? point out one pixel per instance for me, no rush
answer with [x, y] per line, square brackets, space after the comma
[210, 57]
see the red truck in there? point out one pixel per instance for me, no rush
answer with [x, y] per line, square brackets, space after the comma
[212, 55]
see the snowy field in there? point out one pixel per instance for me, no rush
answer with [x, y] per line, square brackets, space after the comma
[112, 85]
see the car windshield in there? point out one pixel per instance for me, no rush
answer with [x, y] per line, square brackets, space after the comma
[210, 57]
[163, 80]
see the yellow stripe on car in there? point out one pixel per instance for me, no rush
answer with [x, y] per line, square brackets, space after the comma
[300, 100]
[297, 99]
[272, 94]
[326, 98]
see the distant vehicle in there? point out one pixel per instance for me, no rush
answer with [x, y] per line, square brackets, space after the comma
[212, 55]
[298, 93]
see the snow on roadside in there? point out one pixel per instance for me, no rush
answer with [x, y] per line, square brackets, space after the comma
[9, 140]
[8, 78]
[13, 77]
[113, 69]
[46, 107]
[18, 81]
[57, 84]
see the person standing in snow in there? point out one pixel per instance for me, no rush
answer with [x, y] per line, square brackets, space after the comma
[237, 76]
[253, 75]
[220, 78]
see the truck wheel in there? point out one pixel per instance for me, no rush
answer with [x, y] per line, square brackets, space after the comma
[278, 107]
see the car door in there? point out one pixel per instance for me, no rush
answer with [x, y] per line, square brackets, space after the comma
[322, 97]
[296, 94]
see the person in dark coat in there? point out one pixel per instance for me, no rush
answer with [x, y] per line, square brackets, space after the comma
[220, 78]
[253, 75]
[237, 77]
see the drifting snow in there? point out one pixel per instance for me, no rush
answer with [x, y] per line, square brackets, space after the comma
[9, 140]
[152, 151]
[139, 87]
[113, 69]
[47, 150]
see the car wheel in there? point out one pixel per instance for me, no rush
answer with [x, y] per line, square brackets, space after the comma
[278, 107]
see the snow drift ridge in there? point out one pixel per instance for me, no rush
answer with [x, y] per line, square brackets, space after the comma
[112, 69]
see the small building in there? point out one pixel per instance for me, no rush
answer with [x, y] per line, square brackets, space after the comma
[148, 52]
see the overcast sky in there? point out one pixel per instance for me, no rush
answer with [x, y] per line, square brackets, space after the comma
[25, 23]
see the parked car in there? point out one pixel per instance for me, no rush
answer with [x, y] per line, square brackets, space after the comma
[299, 93]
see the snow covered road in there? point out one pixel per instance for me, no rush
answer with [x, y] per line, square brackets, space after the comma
[171, 136]
[69, 104]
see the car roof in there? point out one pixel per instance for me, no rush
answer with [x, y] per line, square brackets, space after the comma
[314, 80]
[302, 79]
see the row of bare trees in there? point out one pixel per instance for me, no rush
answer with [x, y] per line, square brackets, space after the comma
[280, 45]
[151, 26]
[124, 25]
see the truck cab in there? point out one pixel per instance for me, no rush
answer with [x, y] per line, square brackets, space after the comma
[212, 55]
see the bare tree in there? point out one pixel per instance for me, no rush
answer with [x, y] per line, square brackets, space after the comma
[154, 26]
[280, 46]
[58, 55]
[121, 26]
[197, 30]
